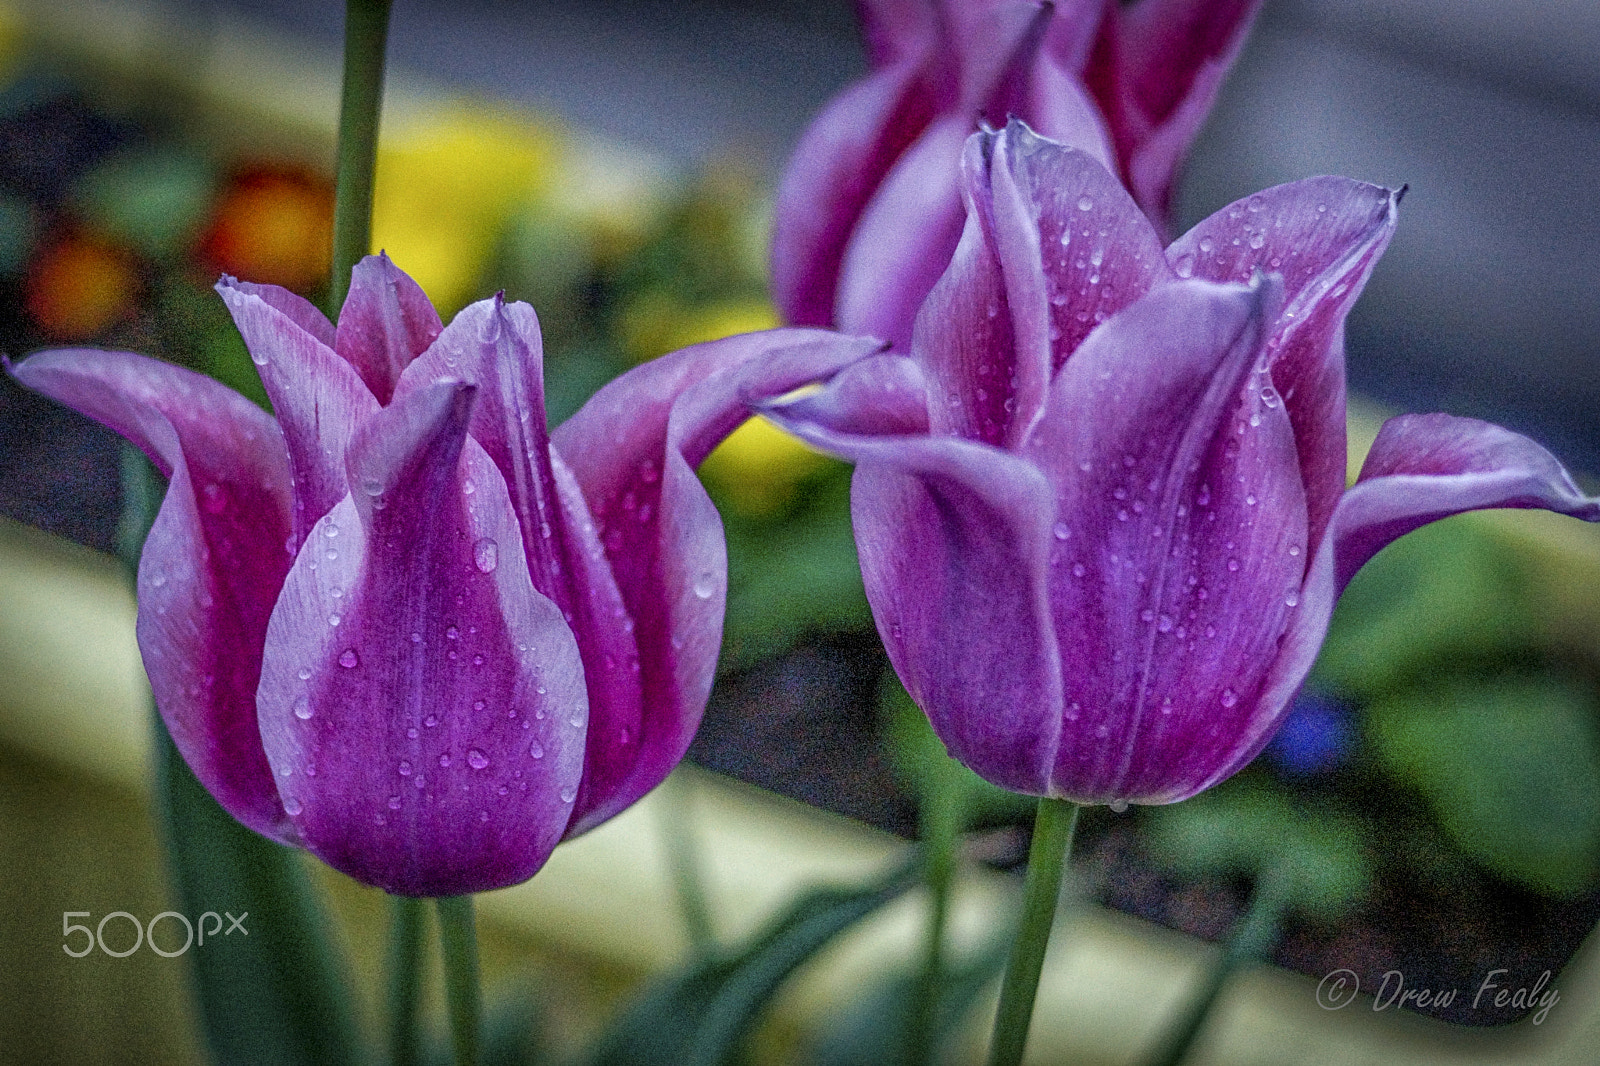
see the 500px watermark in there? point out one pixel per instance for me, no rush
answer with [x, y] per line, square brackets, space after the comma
[143, 934]
[1340, 988]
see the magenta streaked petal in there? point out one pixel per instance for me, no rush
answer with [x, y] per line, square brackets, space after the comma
[1059, 107]
[318, 399]
[632, 449]
[423, 706]
[1179, 545]
[895, 30]
[1072, 33]
[833, 173]
[386, 322]
[904, 237]
[1096, 250]
[497, 347]
[213, 563]
[1323, 236]
[300, 311]
[998, 48]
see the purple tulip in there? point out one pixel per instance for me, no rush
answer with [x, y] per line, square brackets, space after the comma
[1101, 508]
[403, 626]
[869, 211]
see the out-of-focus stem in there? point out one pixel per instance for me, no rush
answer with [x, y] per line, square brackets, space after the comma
[366, 33]
[408, 917]
[1053, 827]
[458, 936]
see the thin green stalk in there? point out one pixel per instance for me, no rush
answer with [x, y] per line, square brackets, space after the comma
[408, 918]
[458, 937]
[1053, 827]
[366, 32]
[1253, 938]
[943, 814]
[683, 858]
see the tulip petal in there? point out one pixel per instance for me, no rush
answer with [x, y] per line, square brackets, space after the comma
[317, 397]
[904, 237]
[1097, 252]
[423, 706]
[213, 562]
[387, 321]
[632, 449]
[497, 347]
[833, 173]
[895, 30]
[1323, 236]
[1178, 551]
[1170, 60]
[953, 538]
[301, 311]
[1426, 467]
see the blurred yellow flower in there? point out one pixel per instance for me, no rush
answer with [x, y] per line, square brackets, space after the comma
[447, 183]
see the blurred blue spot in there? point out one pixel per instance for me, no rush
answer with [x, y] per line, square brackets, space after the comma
[1314, 739]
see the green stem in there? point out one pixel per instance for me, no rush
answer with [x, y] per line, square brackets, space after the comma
[1253, 938]
[1053, 826]
[366, 30]
[943, 813]
[405, 978]
[459, 939]
[683, 858]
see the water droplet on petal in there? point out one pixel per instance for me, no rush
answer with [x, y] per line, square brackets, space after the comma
[1118, 806]
[372, 486]
[431, 721]
[349, 660]
[330, 530]
[452, 633]
[302, 708]
[568, 793]
[334, 619]
[394, 803]
[1061, 531]
[536, 749]
[1229, 697]
[444, 761]
[303, 674]
[258, 355]
[477, 759]
[291, 806]
[705, 585]
[1078, 570]
[1085, 203]
[486, 555]
[468, 487]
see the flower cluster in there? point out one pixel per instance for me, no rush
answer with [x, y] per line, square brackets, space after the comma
[1101, 505]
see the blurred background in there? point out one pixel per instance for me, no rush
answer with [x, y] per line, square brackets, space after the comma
[612, 163]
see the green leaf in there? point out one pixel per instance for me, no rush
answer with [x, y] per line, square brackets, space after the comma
[277, 993]
[1315, 854]
[1450, 593]
[698, 1015]
[873, 1031]
[1511, 770]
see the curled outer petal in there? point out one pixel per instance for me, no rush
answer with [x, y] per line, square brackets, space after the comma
[953, 538]
[421, 703]
[214, 560]
[632, 450]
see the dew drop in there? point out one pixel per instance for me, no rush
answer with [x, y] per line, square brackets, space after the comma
[291, 806]
[1085, 203]
[405, 767]
[330, 530]
[1185, 266]
[1229, 697]
[372, 486]
[468, 487]
[477, 759]
[1233, 565]
[444, 761]
[394, 803]
[303, 674]
[536, 749]
[1292, 599]
[412, 733]
[1061, 531]
[452, 633]
[302, 708]
[335, 619]
[258, 356]
[1118, 806]
[705, 585]
[486, 555]
[568, 793]
[1164, 623]
[349, 659]
[416, 638]
[431, 721]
